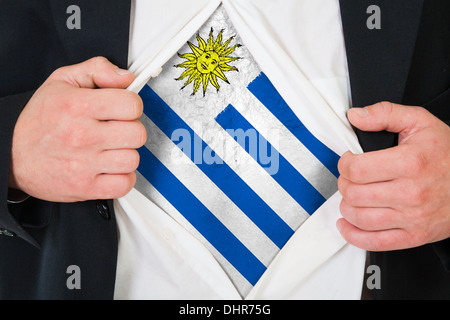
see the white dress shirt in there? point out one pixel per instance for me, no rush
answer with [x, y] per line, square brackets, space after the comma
[300, 47]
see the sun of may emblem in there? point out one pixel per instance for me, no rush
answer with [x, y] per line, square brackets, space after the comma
[207, 62]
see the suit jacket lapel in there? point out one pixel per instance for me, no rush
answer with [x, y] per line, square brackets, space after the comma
[379, 59]
[428, 82]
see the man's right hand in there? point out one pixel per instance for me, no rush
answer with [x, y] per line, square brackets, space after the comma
[76, 139]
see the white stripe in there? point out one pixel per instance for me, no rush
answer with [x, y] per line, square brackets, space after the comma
[287, 144]
[256, 177]
[209, 194]
[146, 188]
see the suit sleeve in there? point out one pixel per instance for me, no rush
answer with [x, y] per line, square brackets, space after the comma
[442, 249]
[10, 109]
[440, 107]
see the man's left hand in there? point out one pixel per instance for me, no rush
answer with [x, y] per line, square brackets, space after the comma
[399, 197]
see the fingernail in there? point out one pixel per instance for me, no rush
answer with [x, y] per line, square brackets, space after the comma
[361, 112]
[122, 72]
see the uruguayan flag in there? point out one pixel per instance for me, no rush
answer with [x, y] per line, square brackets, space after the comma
[238, 168]
[237, 186]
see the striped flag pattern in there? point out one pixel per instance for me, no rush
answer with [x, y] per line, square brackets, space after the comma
[241, 173]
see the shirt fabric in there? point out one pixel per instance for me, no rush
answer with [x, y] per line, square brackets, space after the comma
[295, 46]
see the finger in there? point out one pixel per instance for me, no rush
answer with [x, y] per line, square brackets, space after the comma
[121, 161]
[111, 186]
[371, 219]
[97, 72]
[387, 116]
[122, 135]
[375, 166]
[389, 194]
[385, 240]
[114, 104]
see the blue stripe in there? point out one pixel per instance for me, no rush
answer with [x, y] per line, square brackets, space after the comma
[287, 176]
[266, 93]
[200, 217]
[221, 174]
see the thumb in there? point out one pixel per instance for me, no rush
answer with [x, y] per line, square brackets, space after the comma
[390, 117]
[97, 72]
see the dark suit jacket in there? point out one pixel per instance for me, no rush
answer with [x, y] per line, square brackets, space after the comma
[406, 61]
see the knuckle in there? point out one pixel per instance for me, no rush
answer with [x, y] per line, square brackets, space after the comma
[343, 207]
[421, 112]
[78, 179]
[417, 164]
[352, 215]
[419, 219]
[346, 210]
[76, 137]
[73, 168]
[351, 194]
[362, 221]
[56, 74]
[354, 171]
[350, 168]
[99, 60]
[133, 160]
[139, 105]
[60, 73]
[342, 164]
[66, 100]
[342, 185]
[124, 185]
[416, 195]
[385, 106]
[141, 134]
[134, 103]
[78, 106]
[386, 109]
[80, 135]
[117, 186]
[354, 196]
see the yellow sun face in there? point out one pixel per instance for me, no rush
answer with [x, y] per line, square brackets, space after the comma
[207, 62]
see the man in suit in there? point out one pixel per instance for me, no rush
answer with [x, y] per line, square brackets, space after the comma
[63, 217]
